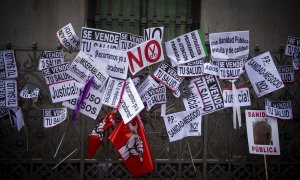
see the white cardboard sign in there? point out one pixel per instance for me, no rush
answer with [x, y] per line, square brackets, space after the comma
[168, 76]
[16, 117]
[177, 92]
[131, 103]
[146, 85]
[50, 58]
[286, 73]
[65, 90]
[243, 96]
[154, 33]
[90, 107]
[8, 93]
[95, 39]
[128, 40]
[229, 45]
[145, 54]
[26, 94]
[3, 112]
[230, 69]
[263, 74]
[292, 46]
[279, 109]
[212, 67]
[183, 124]
[156, 96]
[191, 69]
[193, 100]
[186, 48]
[8, 65]
[116, 60]
[56, 74]
[296, 60]
[136, 81]
[113, 92]
[262, 132]
[53, 117]
[68, 38]
[83, 67]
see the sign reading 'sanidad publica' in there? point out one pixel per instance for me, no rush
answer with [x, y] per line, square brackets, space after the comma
[8, 65]
[50, 58]
[280, 109]
[68, 38]
[262, 132]
[229, 45]
[53, 117]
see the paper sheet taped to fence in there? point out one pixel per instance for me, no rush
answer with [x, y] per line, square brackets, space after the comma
[154, 33]
[263, 74]
[90, 107]
[53, 117]
[65, 90]
[186, 48]
[279, 109]
[191, 69]
[131, 103]
[8, 65]
[296, 60]
[155, 96]
[229, 45]
[8, 93]
[292, 46]
[230, 69]
[113, 92]
[56, 74]
[128, 40]
[243, 96]
[262, 132]
[286, 73]
[51, 58]
[83, 67]
[68, 38]
[212, 67]
[146, 85]
[183, 124]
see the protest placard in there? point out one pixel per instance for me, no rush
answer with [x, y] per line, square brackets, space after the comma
[279, 109]
[186, 48]
[286, 73]
[263, 74]
[50, 58]
[193, 100]
[296, 60]
[136, 81]
[145, 54]
[230, 69]
[155, 96]
[8, 65]
[154, 33]
[95, 39]
[54, 116]
[65, 90]
[191, 69]
[131, 103]
[27, 94]
[8, 93]
[262, 132]
[68, 38]
[84, 66]
[292, 46]
[243, 96]
[90, 107]
[212, 67]
[16, 117]
[147, 84]
[229, 45]
[116, 61]
[183, 124]
[128, 40]
[113, 92]
[168, 76]
[56, 74]
[176, 93]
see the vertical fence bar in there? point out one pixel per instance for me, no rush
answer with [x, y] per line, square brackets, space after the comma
[82, 146]
[205, 135]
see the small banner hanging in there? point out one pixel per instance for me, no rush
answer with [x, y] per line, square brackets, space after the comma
[50, 58]
[53, 117]
[279, 109]
[8, 64]
[68, 38]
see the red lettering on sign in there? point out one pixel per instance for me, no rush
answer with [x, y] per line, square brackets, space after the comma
[153, 57]
[131, 57]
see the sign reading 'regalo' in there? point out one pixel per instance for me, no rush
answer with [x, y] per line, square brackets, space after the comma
[186, 48]
[51, 58]
[90, 107]
[93, 39]
[83, 67]
[292, 46]
[286, 73]
[243, 97]
[280, 109]
[131, 103]
[262, 132]
[191, 69]
[145, 54]
[65, 90]
[53, 117]
[113, 92]
[8, 65]
[230, 69]
[229, 45]
[128, 40]
[263, 74]
[8, 93]
[183, 124]
[68, 38]
[168, 76]
[56, 74]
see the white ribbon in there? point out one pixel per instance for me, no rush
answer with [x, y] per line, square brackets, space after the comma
[235, 107]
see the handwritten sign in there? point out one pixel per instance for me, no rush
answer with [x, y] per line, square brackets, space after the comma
[193, 99]
[113, 92]
[230, 69]
[50, 58]
[279, 109]
[292, 46]
[154, 33]
[8, 65]
[146, 85]
[191, 69]
[53, 117]
[136, 81]
[128, 40]
[286, 73]
[243, 97]
[262, 132]
[8, 93]
[296, 60]
[212, 67]
[186, 48]
[65, 90]
[156, 96]
[68, 38]
[56, 74]
[263, 74]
